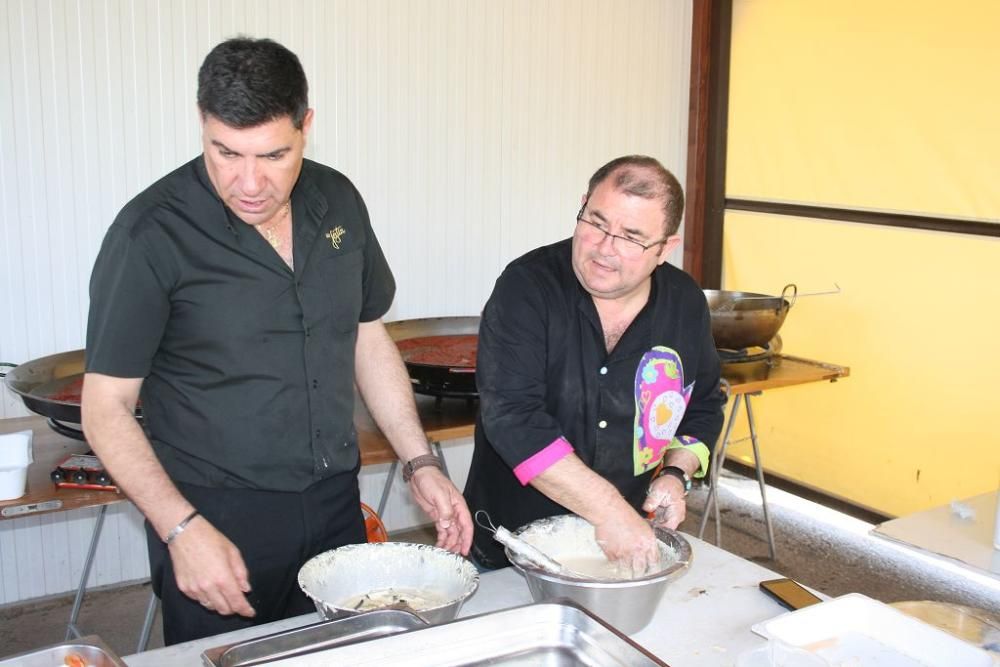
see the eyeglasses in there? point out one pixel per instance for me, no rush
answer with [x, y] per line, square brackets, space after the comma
[594, 232]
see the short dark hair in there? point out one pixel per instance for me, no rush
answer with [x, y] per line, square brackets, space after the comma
[246, 82]
[643, 176]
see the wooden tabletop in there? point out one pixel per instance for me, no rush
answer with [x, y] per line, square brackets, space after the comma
[447, 419]
[453, 418]
[779, 371]
[443, 420]
[49, 449]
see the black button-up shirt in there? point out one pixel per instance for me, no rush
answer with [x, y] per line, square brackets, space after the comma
[248, 365]
[544, 373]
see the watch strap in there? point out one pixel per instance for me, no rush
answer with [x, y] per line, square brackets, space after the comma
[418, 462]
[678, 472]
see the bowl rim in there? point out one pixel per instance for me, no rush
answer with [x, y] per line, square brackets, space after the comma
[366, 546]
[670, 537]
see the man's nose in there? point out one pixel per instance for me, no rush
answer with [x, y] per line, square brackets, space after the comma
[610, 248]
[250, 179]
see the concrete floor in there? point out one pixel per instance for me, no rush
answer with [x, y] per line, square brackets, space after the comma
[820, 547]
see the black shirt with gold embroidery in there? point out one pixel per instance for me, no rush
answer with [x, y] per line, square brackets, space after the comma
[248, 365]
[546, 382]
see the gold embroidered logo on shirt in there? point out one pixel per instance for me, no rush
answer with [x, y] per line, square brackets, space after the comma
[335, 235]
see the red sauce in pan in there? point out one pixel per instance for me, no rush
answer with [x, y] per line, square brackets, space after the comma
[72, 392]
[69, 393]
[453, 351]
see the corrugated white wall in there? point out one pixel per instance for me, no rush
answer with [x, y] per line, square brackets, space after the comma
[470, 127]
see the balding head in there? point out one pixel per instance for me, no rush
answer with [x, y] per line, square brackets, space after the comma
[643, 176]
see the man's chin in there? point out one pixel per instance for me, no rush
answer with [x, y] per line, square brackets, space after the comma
[602, 279]
[251, 217]
[602, 289]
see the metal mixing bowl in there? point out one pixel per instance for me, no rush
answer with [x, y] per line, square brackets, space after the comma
[628, 605]
[333, 577]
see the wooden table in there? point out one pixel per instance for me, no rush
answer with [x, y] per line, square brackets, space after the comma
[49, 449]
[42, 496]
[455, 418]
[746, 379]
[448, 419]
[445, 420]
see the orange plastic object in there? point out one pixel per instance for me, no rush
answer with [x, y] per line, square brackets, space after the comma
[74, 660]
[374, 527]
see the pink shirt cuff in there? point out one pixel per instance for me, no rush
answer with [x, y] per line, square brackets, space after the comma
[532, 467]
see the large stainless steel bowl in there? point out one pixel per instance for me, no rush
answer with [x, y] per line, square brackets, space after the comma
[332, 578]
[628, 605]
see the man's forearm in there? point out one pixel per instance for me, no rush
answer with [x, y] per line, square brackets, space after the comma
[385, 387]
[579, 489]
[116, 437]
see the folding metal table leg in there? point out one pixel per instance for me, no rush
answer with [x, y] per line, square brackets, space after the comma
[440, 454]
[759, 465]
[147, 625]
[72, 631]
[384, 500]
[717, 462]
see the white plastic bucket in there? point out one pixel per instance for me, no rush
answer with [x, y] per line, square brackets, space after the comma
[15, 456]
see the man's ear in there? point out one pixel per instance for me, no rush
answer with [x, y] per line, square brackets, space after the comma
[668, 247]
[307, 122]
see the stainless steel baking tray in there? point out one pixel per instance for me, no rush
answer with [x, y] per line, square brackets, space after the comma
[92, 649]
[551, 634]
[310, 638]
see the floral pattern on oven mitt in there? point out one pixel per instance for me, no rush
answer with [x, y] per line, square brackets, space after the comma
[660, 402]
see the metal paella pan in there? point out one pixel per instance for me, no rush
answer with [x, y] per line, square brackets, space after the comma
[439, 354]
[50, 386]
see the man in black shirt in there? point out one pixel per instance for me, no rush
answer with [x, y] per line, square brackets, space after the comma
[240, 298]
[596, 365]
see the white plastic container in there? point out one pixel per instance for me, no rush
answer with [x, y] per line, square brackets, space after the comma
[15, 456]
[857, 630]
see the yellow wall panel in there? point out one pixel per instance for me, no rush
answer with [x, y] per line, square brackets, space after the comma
[918, 320]
[884, 104]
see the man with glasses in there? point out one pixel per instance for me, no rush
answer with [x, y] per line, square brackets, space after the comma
[597, 374]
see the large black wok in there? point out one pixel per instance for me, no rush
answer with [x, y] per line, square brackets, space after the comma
[436, 352]
[45, 385]
[50, 386]
[744, 319]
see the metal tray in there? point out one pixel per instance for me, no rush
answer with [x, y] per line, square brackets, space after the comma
[551, 634]
[311, 638]
[94, 652]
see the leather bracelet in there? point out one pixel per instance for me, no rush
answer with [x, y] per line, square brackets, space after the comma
[179, 528]
[418, 462]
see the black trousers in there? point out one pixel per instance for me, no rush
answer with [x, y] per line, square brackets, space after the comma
[276, 534]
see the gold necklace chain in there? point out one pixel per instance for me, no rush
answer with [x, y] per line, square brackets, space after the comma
[269, 234]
